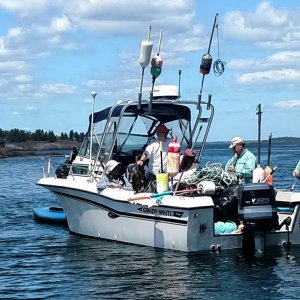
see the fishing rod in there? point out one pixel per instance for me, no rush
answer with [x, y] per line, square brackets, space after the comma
[269, 149]
[258, 112]
[268, 171]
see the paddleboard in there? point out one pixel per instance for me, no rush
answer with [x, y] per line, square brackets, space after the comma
[52, 214]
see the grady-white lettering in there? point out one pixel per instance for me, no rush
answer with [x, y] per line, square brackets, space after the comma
[155, 211]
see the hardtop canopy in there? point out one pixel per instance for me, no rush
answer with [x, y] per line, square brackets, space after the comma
[163, 112]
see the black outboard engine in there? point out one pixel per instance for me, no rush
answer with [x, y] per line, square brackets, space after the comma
[257, 211]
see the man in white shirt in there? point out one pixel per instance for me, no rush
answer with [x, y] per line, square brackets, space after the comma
[156, 153]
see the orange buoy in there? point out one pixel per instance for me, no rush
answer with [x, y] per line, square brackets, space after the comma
[268, 175]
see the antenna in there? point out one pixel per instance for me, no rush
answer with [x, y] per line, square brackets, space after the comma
[93, 94]
[258, 112]
[179, 82]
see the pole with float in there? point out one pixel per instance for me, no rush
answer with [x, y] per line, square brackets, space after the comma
[156, 63]
[144, 60]
[206, 61]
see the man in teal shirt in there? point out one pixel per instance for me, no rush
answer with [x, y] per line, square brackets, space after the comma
[243, 162]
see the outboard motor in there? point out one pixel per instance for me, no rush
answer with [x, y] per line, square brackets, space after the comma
[257, 211]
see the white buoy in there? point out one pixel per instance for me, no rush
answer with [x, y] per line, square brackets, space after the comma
[145, 53]
[207, 187]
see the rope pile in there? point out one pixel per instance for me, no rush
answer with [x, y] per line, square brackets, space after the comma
[213, 172]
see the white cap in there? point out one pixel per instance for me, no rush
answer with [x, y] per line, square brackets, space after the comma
[111, 164]
[236, 140]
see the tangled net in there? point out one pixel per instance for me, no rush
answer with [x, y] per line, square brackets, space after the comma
[213, 172]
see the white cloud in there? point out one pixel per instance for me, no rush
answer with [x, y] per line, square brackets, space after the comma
[25, 7]
[288, 104]
[30, 108]
[57, 25]
[102, 17]
[281, 59]
[271, 76]
[61, 24]
[23, 78]
[25, 87]
[266, 26]
[56, 88]
[13, 67]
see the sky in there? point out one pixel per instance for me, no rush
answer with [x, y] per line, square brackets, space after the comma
[53, 53]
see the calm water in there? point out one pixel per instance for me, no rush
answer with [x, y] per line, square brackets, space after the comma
[39, 261]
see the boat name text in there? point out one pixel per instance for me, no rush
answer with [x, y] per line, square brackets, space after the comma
[160, 212]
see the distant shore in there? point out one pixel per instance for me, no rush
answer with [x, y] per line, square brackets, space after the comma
[31, 148]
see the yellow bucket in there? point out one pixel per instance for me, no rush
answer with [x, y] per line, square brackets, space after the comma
[162, 182]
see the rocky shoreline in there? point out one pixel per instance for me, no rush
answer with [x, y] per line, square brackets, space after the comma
[31, 148]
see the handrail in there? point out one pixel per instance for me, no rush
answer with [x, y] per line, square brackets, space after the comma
[49, 163]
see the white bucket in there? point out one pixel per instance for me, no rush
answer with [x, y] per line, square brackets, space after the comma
[162, 182]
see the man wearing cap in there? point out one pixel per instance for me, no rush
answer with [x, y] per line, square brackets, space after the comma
[154, 154]
[243, 162]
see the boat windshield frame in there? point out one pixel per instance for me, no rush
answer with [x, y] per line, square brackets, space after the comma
[112, 142]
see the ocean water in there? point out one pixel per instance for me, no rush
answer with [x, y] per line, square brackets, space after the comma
[42, 261]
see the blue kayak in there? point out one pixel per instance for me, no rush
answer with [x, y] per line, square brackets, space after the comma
[52, 214]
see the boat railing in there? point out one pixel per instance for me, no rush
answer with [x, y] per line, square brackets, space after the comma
[47, 164]
[75, 169]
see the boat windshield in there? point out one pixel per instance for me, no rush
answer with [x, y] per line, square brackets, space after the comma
[128, 133]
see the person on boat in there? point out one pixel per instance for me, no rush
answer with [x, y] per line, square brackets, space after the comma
[113, 177]
[243, 162]
[156, 156]
[73, 155]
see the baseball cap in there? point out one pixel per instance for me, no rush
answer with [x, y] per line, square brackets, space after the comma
[161, 128]
[236, 140]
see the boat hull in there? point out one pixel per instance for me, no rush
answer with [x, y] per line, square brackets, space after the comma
[178, 223]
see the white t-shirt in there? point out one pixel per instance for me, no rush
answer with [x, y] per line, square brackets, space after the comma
[153, 153]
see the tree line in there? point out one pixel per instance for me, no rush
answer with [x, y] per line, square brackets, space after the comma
[18, 135]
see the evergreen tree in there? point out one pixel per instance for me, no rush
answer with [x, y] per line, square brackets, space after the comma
[51, 137]
[71, 135]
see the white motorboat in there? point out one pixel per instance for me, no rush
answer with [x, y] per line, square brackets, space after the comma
[177, 219]
[169, 220]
